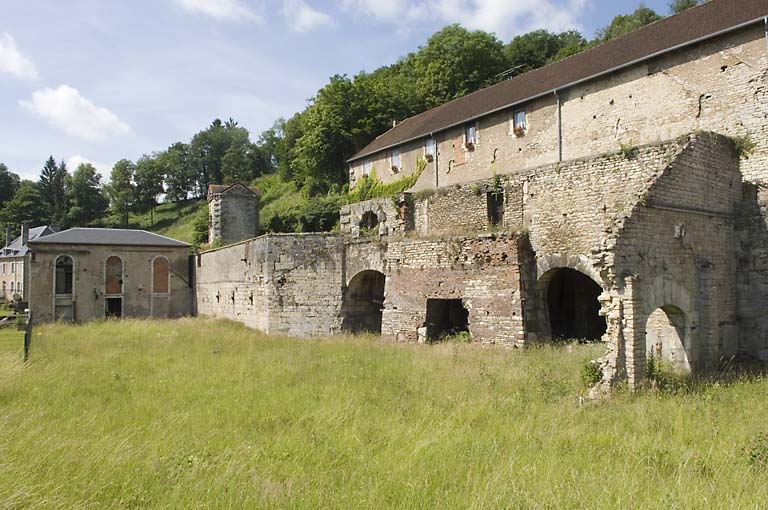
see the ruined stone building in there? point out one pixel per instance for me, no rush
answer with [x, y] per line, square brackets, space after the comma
[233, 213]
[618, 194]
[83, 274]
[14, 276]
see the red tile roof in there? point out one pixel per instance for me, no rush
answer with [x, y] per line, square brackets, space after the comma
[689, 27]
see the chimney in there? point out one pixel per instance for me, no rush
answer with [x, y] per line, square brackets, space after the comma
[24, 233]
[7, 235]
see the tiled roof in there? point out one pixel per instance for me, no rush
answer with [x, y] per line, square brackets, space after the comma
[17, 249]
[108, 237]
[689, 27]
[221, 188]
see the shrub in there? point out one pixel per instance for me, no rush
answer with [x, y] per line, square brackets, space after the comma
[743, 145]
[591, 373]
[757, 451]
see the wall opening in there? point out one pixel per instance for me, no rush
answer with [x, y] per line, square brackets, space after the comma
[446, 317]
[495, 207]
[369, 220]
[574, 311]
[363, 303]
[113, 275]
[63, 284]
[665, 338]
[114, 307]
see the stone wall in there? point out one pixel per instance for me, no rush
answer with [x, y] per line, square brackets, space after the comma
[233, 215]
[288, 284]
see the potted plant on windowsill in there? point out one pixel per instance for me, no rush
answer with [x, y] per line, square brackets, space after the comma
[519, 131]
[429, 157]
[470, 146]
[395, 168]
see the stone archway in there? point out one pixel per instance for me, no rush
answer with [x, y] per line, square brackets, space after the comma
[666, 338]
[363, 302]
[570, 299]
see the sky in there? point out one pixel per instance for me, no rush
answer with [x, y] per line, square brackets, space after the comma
[103, 80]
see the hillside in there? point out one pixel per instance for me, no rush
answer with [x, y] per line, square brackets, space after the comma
[175, 220]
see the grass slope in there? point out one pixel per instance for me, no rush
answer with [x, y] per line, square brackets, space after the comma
[199, 413]
[174, 220]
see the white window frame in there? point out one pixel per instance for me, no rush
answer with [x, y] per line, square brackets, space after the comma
[470, 135]
[519, 126]
[367, 167]
[394, 159]
[429, 147]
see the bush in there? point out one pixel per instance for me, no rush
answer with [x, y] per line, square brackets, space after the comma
[757, 451]
[591, 373]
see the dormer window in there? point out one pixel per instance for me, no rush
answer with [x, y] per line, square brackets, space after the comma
[394, 160]
[470, 136]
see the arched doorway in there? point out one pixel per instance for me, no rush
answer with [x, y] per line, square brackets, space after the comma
[572, 305]
[363, 302]
[665, 338]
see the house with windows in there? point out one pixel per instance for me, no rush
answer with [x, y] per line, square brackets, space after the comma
[84, 274]
[13, 261]
[619, 195]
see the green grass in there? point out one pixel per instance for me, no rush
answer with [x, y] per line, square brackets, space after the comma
[174, 220]
[199, 413]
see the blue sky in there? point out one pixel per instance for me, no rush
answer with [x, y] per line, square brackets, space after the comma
[101, 80]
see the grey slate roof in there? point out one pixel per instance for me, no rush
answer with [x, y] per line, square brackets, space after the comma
[17, 249]
[689, 27]
[108, 237]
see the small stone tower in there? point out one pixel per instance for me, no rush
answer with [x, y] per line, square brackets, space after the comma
[233, 213]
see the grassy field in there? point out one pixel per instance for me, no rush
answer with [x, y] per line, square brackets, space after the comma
[199, 413]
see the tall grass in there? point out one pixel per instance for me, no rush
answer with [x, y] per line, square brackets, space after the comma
[199, 413]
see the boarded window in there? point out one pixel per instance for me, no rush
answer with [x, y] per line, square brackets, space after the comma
[114, 275]
[63, 283]
[161, 272]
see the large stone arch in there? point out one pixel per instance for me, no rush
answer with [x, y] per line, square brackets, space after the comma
[363, 302]
[568, 289]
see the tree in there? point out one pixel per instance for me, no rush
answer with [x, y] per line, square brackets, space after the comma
[456, 62]
[678, 6]
[51, 185]
[174, 163]
[121, 190]
[9, 182]
[85, 196]
[625, 23]
[206, 151]
[25, 206]
[148, 185]
[540, 47]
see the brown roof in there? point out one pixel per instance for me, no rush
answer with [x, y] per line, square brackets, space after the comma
[220, 188]
[688, 27]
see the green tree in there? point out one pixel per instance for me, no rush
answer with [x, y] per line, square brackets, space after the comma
[677, 6]
[25, 206]
[51, 184]
[540, 47]
[148, 186]
[207, 148]
[9, 182]
[456, 62]
[178, 174]
[121, 190]
[625, 23]
[85, 196]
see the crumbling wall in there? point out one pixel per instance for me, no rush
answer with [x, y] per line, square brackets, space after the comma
[484, 272]
[287, 284]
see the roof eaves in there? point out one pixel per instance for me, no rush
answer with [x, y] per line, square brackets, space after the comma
[562, 87]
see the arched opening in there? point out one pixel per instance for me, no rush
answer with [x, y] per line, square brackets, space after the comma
[369, 220]
[63, 279]
[665, 338]
[574, 311]
[363, 303]
[113, 287]
[161, 276]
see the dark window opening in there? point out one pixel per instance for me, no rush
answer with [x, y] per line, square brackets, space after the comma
[573, 306]
[369, 220]
[446, 317]
[363, 303]
[114, 307]
[495, 207]
[63, 283]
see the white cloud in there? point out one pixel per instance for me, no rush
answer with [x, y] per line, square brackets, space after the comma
[303, 18]
[506, 18]
[74, 161]
[65, 109]
[225, 10]
[13, 62]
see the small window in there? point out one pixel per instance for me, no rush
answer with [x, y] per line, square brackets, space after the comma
[18, 287]
[63, 279]
[429, 148]
[13, 267]
[394, 159]
[519, 124]
[367, 167]
[470, 136]
[11, 286]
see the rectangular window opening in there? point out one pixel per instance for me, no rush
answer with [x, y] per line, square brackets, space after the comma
[495, 208]
[394, 159]
[445, 318]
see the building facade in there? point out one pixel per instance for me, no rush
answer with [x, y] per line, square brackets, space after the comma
[84, 274]
[14, 280]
